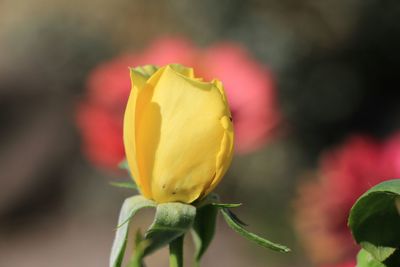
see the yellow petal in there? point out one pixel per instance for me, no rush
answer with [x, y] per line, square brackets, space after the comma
[179, 134]
[225, 153]
[139, 77]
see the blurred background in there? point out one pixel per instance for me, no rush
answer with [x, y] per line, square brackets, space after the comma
[312, 87]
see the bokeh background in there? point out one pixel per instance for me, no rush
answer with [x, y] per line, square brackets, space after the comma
[314, 92]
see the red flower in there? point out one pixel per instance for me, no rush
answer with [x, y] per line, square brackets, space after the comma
[101, 133]
[344, 174]
[249, 87]
[391, 156]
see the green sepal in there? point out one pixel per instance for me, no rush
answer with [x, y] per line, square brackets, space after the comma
[171, 221]
[146, 70]
[123, 165]
[128, 185]
[226, 205]
[233, 222]
[364, 259]
[235, 218]
[129, 208]
[203, 230]
[213, 199]
[374, 222]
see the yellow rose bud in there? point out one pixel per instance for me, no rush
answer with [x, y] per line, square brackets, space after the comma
[178, 133]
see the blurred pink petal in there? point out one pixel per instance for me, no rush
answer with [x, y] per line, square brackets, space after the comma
[249, 87]
[100, 135]
[107, 84]
[250, 90]
[344, 174]
[348, 171]
[391, 156]
[169, 50]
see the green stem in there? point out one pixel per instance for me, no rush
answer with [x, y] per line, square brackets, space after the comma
[176, 252]
[136, 261]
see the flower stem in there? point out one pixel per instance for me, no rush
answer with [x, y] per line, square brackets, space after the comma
[176, 252]
[136, 262]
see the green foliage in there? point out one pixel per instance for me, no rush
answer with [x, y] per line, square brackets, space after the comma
[171, 221]
[129, 208]
[176, 252]
[374, 222]
[226, 205]
[128, 185]
[204, 230]
[364, 259]
[237, 226]
[123, 165]
[140, 245]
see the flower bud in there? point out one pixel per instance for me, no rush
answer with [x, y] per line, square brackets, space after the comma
[178, 133]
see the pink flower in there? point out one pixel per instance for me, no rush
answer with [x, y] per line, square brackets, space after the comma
[347, 172]
[344, 174]
[249, 87]
[101, 132]
[391, 156]
[250, 90]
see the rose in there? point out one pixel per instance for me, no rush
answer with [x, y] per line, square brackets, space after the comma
[254, 108]
[178, 133]
[324, 203]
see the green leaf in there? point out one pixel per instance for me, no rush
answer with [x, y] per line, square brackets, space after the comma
[129, 208]
[364, 259]
[213, 199]
[209, 199]
[378, 252]
[129, 185]
[123, 165]
[374, 222]
[171, 221]
[235, 218]
[232, 222]
[203, 230]
[226, 205]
